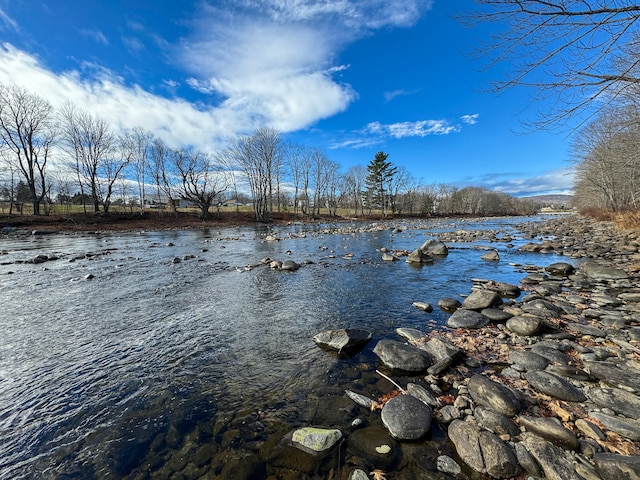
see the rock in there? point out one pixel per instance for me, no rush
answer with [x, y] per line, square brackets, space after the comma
[423, 394]
[551, 458]
[570, 372]
[550, 353]
[448, 414]
[388, 257]
[425, 307]
[358, 474]
[481, 299]
[361, 400]
[612, 466]
[435, 248]
[441, 350]
[542, 308]
[524, 325]
[419, 257]
[496, 315]
[448, 465]
[561, 269]
[344, 340]
[528, 360]
[600, 271]
[494, 395]
[612, 375]
[242, 466]
[617, 425]
[589, 429]
[554, 386]
[495, 422]
[491, 256]
[529, 464]
[467, 319]
[552, 430]
[315, 441]
[414, 335]
[620, 401]
[406, 417]
[503, 288]
[449, 304]
[369, 442]
[483, 451]
[401, 357]
[289, 266]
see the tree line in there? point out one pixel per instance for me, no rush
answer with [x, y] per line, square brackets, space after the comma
[97, 167]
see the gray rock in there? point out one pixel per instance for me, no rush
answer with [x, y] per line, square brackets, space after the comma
[481, 299]
[503, 288]
[561, 269]
[412, 334]
[529, 464]
[358, 474]
[344, 340]
[425, 307]
[491, 256]
[542, 308]
[554, 386]
[441, 350]
[551, 458]
[550, 353]
[585, 329]
[552, 430]
[482, 450]
[600, 271]
[495, 422]
[314, 440]
[496, 315]
[448, 414]
[620, 401]
[448, 465]
[528, 360]
[569, 372]
[494, 395]
[435, 248]
[406, 417]
[423, 394]
[401, 357]
[467, 319]
[617, 425]
[361, 400]
[289, 266]
[612, 375]
[369, 444]
[419, 257]
[612, 466]
[589, 429]
[388, 257]
[449, 304]
[524, 325]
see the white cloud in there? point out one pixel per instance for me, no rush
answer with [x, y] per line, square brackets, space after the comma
[388, 96]
[558, 181]
[96, 35]
[421, 128]
[7, 20]
[470, 119]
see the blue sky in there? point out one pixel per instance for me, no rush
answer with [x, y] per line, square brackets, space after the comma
[350, 77]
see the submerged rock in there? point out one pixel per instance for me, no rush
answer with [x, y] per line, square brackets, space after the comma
[314, 440]
[401, 357]
[344, 340]
[406, 417]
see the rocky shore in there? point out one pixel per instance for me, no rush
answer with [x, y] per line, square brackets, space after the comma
[545, 386]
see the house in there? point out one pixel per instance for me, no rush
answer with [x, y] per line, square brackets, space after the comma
[160, 201]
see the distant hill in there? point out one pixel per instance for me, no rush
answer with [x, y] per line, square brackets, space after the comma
[551, 200]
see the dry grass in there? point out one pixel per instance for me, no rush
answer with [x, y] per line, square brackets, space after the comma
[629, 220]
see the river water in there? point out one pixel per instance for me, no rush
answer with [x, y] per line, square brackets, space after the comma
[118, 361]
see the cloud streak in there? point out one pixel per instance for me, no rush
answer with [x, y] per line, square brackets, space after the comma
[558, 181]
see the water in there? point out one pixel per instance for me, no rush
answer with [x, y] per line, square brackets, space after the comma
[116, 362]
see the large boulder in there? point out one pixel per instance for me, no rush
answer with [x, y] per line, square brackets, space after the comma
[612, 466]
[620, 401]
[434, 248]
[551, 458]
[524, 325]
[344, 340]
[600, 271]
[401, 357]
[554, 386]
[481, 299]
[464, 318]
[418, 257]
[552, 430]
[406, 417]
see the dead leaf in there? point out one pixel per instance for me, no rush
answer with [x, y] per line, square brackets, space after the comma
[378, 474]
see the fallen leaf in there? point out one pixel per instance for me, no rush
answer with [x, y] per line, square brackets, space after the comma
[378, 474]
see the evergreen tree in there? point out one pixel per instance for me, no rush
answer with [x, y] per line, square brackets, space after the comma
[380, 175]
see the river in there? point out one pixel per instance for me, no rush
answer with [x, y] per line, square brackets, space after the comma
[160, 354]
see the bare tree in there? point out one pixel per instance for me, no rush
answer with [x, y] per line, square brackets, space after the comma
[354, 180]
[99, 158]
[572, 51]
[160, 164]
[202, 180]
[137, 141]
[27, 132]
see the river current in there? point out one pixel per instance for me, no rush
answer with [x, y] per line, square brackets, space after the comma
[153, 354]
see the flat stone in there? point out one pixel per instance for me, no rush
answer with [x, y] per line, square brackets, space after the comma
[550, 353]
[495, 422]
[496, 315]
[446, 464]
[554, 386]
[620, 401]
[552, 430]
[425, 307]
[528, 360]
[463, 318]
[401, 357]
[411, 334]
[345, 340]
[585, 329]
[406, 417]
[503, 288]
[600, 271]
[361, 400]
[612, 466]
[589, 429]
[569, 372]
[541, 307]
[315, 440]
[449, 304]
[551, 458]
[482, 450]
[440, 349]
[423, 394]
[491, 257]
[481, 299]
[618, 425]
[562, 269]
[612, 375]
[524, 325]
[494, 395]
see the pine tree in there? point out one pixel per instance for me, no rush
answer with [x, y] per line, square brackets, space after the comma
[380, 175]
